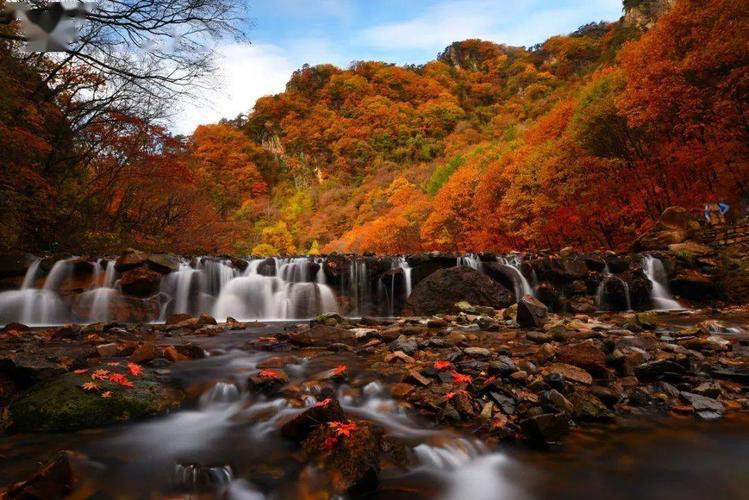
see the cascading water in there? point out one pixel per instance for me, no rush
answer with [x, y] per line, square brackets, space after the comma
[37, 306]
[471, 260]
[660, 295]
[601, 290]
[103, 293]
[520, 283]
[389, 293]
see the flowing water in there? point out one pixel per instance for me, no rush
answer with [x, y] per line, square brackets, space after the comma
[512, 265]
[659, 294]
[226, 444]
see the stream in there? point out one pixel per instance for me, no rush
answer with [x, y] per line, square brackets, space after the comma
[226, 444]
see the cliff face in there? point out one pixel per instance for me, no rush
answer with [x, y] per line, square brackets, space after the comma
[644, 13]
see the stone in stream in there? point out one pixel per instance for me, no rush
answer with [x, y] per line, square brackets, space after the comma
[584, 355]
[324, 411]
[27, 368]
[546, 428]
[663, 369]
[267, 381]
[532, 313]
[348, 454]
[440, 291]
[705, 407]
[140, 282]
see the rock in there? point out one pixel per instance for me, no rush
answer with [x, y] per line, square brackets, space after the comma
[205, 320]
[56, 479]
[531, 313]
[467, 308]
[144, 353]
[401, 390]
[107, 350]
[60, 404]
[548, 295]
[140, 282]
[404, 344]
[425, 264]
[321, 336]
[692, 284]
[171, 353]
[538, 337]
[13, 265]
[584, 355]
[594, 262]
[399, 355]
[557, 402]
[504, 365]
[676, 225]
[569, 372]
[414, 376]
[690, 248]
[129, 260]
[582, 305]
[177, 318]
[439, 292]
[589, 408]
[477, 352]
[162, 263]
[350, 461]
[711, 343]
[705, 407]
[27, 368]
[663, 369]
[267, 381]
[300, 426]
[546, 428]
[328, 319]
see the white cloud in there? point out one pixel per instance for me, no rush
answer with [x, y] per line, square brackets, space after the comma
[245, 73]
[515, 22]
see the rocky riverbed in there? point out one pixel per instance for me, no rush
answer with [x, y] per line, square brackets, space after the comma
[348, 406]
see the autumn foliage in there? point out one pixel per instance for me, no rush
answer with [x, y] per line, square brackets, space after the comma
[582, 140]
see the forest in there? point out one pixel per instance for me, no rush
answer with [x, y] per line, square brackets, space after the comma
[582, 140]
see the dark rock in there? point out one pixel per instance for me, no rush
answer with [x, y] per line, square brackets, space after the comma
[129, 260]
[28, 368]
[439, 292]
[299, 427]
[267, 381]
[140, 282]
[594, 262]
[321, 336]
[175, 319]
[13, 265]
[531, 313]
[589, 408]
[425, 264]
[403, 344]
[546, 428]
[547, 294]
[350, 462]
[693, 284]
[663, 369]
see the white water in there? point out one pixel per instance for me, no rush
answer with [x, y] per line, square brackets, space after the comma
[601, 295]
[521, 284]
[471, 260]
[660, 295]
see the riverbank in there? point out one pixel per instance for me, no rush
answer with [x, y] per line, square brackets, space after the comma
[399, 396]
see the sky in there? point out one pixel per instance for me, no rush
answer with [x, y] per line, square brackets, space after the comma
[286, 34]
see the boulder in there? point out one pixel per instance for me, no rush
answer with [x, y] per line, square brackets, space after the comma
[546, 428]
[349, 458]
[140, 282]
[532, 313]
[28, 368]
[692, 284]
[162, 263]
[299, 427]
[321, 336]
[56, 479]
[584, 355]
[425, 264]
[130, 259]
[13, 266]
[676, 225]
[548, 295]
[440, 291]
[61, 404]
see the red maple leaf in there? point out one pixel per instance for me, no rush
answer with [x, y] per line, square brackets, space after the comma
[268, 373]
[90, 386]
[120, 379]
[441, 365]
[460, 378]
[134, 369]
[106, 394]
[339, 370]
[490, 380]
[324, 403]
[81, 371]
[329, 443]
[100, 375]
[343, 429]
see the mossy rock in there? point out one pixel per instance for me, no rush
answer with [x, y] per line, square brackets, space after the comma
[61, 404]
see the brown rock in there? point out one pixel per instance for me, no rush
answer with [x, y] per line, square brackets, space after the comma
[401, 390]
[171, 353]
[532, 313]
[140, 282]
[57, 479]
[584, 355]
[299, 427]
[145, 352]
[569, 372]
[107, 350]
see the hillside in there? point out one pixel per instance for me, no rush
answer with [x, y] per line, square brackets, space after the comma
[582, 140]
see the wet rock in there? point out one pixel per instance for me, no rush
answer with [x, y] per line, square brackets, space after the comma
[477, 352]
[425, 264]
[711, 343]
[172, 354]
[328, 319]
[663, 369]
[267, 381]
[401, 390]
[67, 332]
[538, 337]
[61, 404]
[548, 295]
[569, 372]
[350, 461]
[531, 313]
[56, 479]
[587, 407]
[504, 365]
[177, 318]
[28, 368]
[468, 308]
[594, 262]
[705, 407]
[555, 401]
[162, 263]
[582, 305]
[398, 355]
[546, 428]
[584, 355]
[143, 353]
[404, 344]
[321, 336]
[129, 260]
[439, 292]
[692, 284]
[415, 377]
[140, 282]
[107, 350]
[300, 426]
[13, 265]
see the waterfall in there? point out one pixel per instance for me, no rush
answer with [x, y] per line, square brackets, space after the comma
[601, 290]
[31, 272]
[520, 283]
[358, 286]
[59, 273]
[403, 264]
[103, 294]
[471, 260]
[660, 295]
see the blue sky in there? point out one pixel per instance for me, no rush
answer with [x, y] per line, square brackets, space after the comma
[286, 34]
